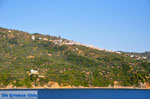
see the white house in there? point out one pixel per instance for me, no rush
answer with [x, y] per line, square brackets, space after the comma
[131, 55]
[32, 71]
[33, 37]
[144, 57]
[45, 39]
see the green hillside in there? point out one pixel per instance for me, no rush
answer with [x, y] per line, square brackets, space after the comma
[56, 60]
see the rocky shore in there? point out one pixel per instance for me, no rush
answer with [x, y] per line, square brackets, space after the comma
[55, 85]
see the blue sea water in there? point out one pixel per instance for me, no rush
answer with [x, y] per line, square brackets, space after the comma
[90, 93]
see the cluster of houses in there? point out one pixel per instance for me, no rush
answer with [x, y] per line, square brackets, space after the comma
[137, 57]
[69, 42]
[90, 46]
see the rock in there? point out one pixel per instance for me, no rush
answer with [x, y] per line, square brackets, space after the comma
[31, 57]
[53, 84]
[116, 84]
[49, 54]
[148, 85]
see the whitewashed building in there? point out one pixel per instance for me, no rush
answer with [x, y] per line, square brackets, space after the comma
[32, 71]
[33, 37]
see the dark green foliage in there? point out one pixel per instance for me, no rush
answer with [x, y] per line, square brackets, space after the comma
[81, 61]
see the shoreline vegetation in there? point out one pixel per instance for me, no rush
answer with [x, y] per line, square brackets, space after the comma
[43, 61]
[55, 85]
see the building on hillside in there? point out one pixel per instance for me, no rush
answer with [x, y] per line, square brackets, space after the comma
[33, 37]
[132, 56]
[32, 71]
[45, 39]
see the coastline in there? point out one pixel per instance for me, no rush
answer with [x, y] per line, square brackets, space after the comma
[24, 88]
[55, 85]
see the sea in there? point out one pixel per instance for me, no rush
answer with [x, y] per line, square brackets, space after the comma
[87, 93]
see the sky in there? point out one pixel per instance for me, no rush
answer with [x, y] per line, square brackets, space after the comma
[118, 25]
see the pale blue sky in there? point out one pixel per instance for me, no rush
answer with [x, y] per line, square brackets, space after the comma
[111, 24]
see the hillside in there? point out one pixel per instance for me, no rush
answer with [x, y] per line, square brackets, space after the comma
[28, 60]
